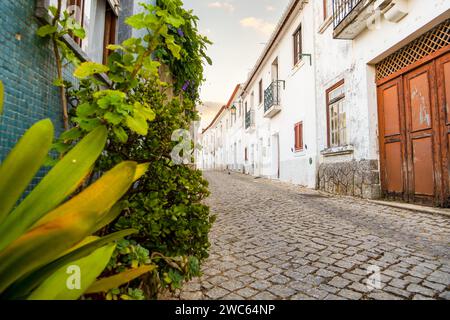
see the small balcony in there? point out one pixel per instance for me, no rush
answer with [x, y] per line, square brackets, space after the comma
[350, 17]
[272, 99]
[250, 120]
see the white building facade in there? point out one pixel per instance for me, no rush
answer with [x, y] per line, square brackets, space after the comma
[350, 97]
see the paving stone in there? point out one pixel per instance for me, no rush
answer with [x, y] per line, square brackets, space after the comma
[339, 282]
[350, 294]
[281, 291]
[261, 285]
[316, 248]
[421, 290]
[246, 292]
[232, 285]
[279, 279]
[216, 293]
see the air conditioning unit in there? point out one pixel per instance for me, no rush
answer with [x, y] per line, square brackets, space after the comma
[392, 10]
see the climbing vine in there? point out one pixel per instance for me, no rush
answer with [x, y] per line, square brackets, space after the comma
[165, 205]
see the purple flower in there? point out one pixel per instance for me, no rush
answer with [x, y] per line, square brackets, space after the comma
[180, 32]
[186, 85]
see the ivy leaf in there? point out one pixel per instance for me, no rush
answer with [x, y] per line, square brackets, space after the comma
[137, 124]
[136, 21]
[53, 10]
[88, 124]
[114, 47]
[58, 82]
[174, 21]
[71, 135]
[113, 118]
[120, 134]
[79, 33]
[2, 96]
[87, 69]
[173, 47]
[46, 30]
[146, 112]
[86, 110]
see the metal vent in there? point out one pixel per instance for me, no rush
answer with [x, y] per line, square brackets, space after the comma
[430, 42]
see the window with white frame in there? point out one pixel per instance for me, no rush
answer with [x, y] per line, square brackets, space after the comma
[337, 116]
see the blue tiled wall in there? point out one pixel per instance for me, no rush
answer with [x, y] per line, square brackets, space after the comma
[27, 69]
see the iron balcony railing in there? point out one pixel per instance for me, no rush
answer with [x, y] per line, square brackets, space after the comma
[249, 119]
[341, 10]
[272, 95]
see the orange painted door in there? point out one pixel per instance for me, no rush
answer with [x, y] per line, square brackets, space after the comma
[443, 86]
[424, 178]
[392, 139]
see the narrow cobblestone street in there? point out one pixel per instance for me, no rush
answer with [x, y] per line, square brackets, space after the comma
[277, 241]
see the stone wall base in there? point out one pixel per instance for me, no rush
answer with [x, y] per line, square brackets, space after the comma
[352, 178]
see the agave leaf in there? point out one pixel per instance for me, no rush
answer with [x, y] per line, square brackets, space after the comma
[141, 170]
[65, 226]
[115, 281]
[100, 197]
[110, 216]
[27, 284]
[59, 286]
[42, 245]
[57, 185]
[22, 164]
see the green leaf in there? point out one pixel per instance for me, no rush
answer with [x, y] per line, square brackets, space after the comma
[86, 109]
[71, 134]
[87, 69]
[53, 10]
[136, 21]
[62, 228]
[106, 284]
[113, 118]
[56, 186]
[90, 124]
[115, 47]
[22, 164]
[174, 21]
[46, 30]
[120, 134]
[146, 112]
[2, 96]
[79, 33]
[23, 287]
[138, 124]
[56, 286]
[58, 83]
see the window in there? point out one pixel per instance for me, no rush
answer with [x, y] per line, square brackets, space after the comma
[99, 19]
[298, 130]
[245, 154]
[260, 92]
[336, 116]
[298, 45]
[252, 100]
[327, 9]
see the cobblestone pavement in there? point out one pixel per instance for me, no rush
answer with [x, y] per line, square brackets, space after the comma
[277, 241]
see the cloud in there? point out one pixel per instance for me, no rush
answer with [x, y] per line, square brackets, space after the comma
[259, 25]
[270, 8]
[222, 5]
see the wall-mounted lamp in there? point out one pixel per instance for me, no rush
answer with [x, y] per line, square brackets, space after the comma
[233, 110]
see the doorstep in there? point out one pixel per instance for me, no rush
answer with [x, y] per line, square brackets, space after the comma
[413, 207]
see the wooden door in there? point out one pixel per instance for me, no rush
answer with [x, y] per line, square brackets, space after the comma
[443, 86]
[422, 135]
[392, 134]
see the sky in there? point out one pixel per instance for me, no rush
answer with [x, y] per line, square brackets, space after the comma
[239, 30]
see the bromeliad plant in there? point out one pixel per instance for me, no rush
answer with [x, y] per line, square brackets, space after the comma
[45, 233]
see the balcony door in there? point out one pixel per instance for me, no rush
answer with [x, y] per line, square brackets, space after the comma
[275, 72]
